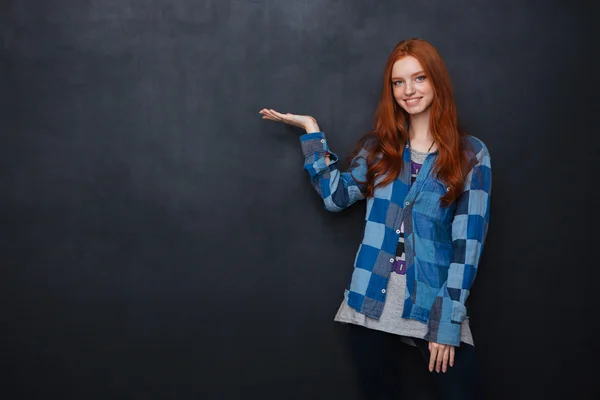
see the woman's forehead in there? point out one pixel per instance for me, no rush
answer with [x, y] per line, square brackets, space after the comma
[406, 65]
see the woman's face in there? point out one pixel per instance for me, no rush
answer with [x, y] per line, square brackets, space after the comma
[412, 88]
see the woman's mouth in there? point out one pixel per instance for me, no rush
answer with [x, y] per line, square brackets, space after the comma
[412, 101]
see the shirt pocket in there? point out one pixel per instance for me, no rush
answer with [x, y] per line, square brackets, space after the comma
[428, 201]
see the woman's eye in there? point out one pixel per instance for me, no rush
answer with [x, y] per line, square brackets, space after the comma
[420, 78]
[397, 83]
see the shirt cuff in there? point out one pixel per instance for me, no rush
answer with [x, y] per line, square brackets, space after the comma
[314, 142]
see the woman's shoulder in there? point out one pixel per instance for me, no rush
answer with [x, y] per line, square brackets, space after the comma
[475, 147]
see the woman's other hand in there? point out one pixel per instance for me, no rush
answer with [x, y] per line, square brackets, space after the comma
[305, 122]
[440, 356]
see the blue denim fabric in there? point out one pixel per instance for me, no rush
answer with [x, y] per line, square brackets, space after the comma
[443, 245]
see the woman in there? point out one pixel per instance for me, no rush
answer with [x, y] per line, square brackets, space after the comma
[427, 186]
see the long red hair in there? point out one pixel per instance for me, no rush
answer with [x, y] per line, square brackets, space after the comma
[390, 134]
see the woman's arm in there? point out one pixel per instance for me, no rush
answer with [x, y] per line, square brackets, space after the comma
[469, 230]
[338, 189]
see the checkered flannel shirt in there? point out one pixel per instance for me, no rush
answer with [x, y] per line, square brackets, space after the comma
[443, 245]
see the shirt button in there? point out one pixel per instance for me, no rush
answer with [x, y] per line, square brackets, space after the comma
[407, 203]
[391, 260]
[322, 140]
[382, 290]
[397, 230]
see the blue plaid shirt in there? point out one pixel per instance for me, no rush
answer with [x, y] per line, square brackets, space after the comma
[442, 244]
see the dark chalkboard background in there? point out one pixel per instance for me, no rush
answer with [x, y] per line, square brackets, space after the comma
[159, 240]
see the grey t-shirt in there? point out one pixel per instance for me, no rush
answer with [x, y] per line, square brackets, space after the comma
[391, 320]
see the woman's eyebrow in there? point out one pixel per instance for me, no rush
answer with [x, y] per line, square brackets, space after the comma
[415, 74]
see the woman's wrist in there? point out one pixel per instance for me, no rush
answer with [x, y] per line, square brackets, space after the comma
[312, 127]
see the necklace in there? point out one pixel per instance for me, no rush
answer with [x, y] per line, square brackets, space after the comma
[430, 146]
[427, 149]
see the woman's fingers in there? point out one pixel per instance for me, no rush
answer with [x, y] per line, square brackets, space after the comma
[277, 115]
[445, 359]
[432, 357]
[274, 115]
[270, 114]
[440, 355]
[267, 114]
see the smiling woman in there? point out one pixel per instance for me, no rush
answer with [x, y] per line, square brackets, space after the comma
[427, 186]
[412, 90]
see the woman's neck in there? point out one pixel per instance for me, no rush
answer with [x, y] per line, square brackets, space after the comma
[418, 131]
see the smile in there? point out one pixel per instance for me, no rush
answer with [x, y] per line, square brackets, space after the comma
[412, 102]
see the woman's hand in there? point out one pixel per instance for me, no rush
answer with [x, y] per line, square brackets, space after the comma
[440, 355]
[301, 121]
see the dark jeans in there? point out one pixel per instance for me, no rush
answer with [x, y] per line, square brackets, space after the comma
[385, 370]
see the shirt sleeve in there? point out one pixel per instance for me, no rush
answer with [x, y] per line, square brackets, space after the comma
[337, 189]
[469, 230]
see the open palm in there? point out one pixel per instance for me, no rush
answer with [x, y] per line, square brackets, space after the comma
[301, 121]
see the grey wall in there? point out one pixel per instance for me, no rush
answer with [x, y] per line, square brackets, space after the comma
[160, 240]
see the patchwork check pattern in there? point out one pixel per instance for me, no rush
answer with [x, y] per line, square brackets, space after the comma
[442, 245]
